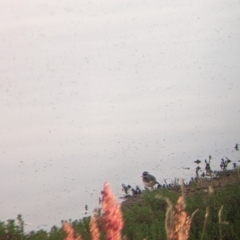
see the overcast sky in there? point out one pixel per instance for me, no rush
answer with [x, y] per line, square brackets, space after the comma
[95, 91]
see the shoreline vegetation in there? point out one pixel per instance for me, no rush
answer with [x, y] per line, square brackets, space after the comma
[207, 207]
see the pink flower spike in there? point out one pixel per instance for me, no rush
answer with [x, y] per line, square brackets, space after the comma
[94, 228]
[112, 215]
[70, 232]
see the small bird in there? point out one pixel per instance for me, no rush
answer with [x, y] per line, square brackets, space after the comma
[197, 161]
[149, 180]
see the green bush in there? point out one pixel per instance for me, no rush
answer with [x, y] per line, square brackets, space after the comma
[147, 220]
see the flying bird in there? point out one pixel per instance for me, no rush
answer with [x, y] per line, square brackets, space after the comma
[149, 180]
[197, 161]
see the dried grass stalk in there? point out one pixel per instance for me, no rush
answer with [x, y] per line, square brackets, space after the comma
[177, 222]
[180, 222]
[205, 222]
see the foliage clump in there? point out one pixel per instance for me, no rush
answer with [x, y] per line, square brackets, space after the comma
[168, 217]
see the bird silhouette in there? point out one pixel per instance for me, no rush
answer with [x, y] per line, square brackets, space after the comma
[197, 161]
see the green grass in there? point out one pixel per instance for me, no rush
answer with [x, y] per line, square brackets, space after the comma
[147, 221]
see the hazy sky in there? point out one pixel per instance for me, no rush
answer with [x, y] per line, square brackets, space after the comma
[95, 91]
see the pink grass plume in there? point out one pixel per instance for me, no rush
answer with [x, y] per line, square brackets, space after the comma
[95, 233]
[70, 232]
[112, 220]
